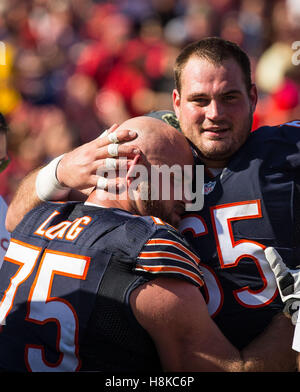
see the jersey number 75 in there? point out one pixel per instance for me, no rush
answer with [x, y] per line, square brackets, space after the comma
[41, 306]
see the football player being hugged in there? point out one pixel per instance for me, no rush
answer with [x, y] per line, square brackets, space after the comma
[251, 192]
[100, 286]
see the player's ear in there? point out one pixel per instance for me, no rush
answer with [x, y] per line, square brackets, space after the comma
[132, 169]
[138, 172]
[176, 101]
[253, 97]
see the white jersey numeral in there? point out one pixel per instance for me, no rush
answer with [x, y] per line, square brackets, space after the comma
[42, 307]
[25, 257]
[230, 253]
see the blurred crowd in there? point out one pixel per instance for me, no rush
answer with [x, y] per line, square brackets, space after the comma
[74, 67]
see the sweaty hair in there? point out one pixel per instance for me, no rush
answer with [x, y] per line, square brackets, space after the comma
[215, 50]
[3, 124]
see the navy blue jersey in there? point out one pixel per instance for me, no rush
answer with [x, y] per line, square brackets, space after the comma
[65, 285]
[252, 204]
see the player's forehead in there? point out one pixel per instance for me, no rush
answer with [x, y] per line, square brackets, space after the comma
[201, 74]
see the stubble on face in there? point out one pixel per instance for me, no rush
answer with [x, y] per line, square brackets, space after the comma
[216, 148]
[214, 108]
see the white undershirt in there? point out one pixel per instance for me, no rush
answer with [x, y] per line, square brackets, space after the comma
[87, 203]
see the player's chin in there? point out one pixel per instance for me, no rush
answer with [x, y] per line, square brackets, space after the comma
[219, 149]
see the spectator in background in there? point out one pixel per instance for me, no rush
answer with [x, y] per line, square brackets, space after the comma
[277, 77]
[101, 62]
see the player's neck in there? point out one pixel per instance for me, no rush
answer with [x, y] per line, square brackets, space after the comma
[104, 199]
[214, 164]
[214, 171]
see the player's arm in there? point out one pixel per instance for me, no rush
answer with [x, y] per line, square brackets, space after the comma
[174, 310]
[23, 201]
[71, 176]
[272, 350]
[175, 315]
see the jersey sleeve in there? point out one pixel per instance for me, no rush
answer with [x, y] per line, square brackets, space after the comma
[291, 135]
[165, 254]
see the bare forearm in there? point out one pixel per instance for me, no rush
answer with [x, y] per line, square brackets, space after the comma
[77, 170]
[24, 200]
[272, 350]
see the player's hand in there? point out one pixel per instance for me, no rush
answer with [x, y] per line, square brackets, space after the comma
[81, 168]
[288, 281]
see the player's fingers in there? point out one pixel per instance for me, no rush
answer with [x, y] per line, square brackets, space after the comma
[275, 261]
[122, 150]
[102, 183]
[112, 149]
[110, 164]
[119, 136]
[111, 185]
[109, 130]
[112, 128]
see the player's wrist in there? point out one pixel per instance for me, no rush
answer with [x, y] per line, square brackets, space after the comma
[47, 185]
[60, 172]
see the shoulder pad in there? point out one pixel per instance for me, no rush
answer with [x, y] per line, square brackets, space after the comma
[38, 214]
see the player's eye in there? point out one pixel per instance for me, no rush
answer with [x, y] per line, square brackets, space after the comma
[230, 98]
[201, 101]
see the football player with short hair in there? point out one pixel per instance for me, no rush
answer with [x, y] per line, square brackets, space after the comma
[251, 189]
[253, 182]
[100, 286]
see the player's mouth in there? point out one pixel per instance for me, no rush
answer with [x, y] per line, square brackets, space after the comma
[216, 132]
